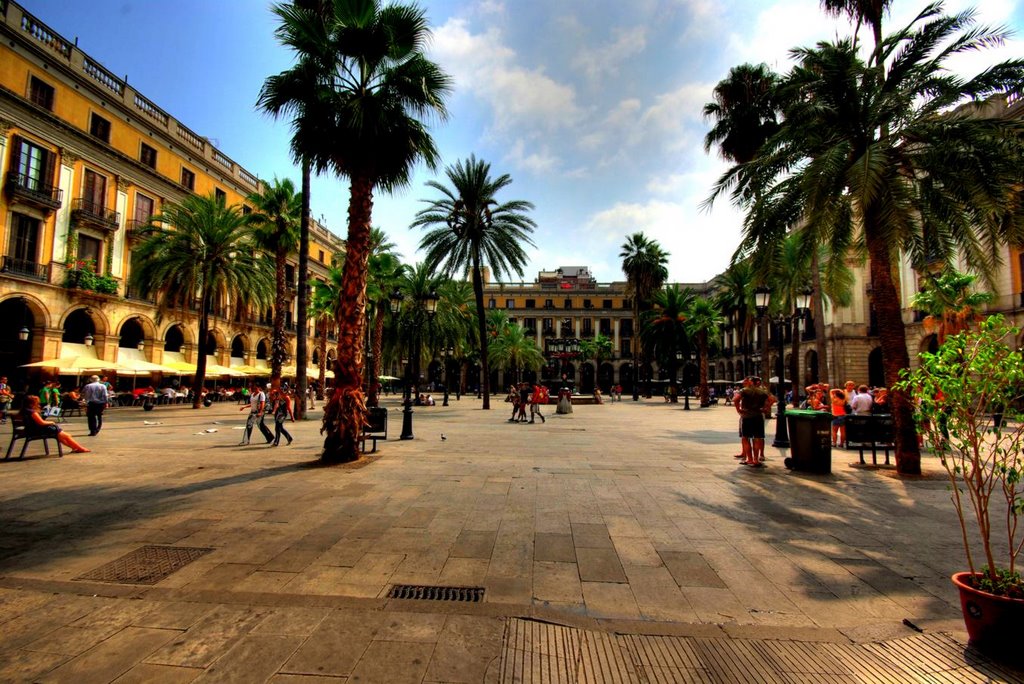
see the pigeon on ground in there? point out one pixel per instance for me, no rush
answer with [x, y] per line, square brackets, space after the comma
[443, 437]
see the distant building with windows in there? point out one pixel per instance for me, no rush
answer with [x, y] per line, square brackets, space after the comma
[85, 161]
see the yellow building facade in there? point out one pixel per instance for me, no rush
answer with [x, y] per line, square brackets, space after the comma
[86, 160]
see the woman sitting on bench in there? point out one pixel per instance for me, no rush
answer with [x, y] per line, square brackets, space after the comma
[35, 424]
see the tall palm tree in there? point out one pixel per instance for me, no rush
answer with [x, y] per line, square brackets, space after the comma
[384, 271]
[201, 248]
[868, 12]
[703, 321]
[374, 87]
[511, 348]
[949, 302]
[276, 227]
[664, 331]
[455, 325]
[882, 160]
[323, 308]
[736, 297]
[468, 229]
[644, 263]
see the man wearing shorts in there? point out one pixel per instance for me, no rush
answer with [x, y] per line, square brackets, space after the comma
[753, 399]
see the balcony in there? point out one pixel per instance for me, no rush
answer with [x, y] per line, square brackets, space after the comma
[94, 214]
[31, 191]
[23, 268]
[548, 331]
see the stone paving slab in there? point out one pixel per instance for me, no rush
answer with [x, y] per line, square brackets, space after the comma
[628, 524]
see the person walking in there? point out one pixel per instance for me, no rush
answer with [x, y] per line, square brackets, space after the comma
[539, 396]
[257, 409]
[96, 398]
[282, 409]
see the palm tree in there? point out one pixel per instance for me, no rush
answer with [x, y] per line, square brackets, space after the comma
[703, 321]
[736, 297]
[598, 349]
[415, 329]
[664, 331]
[384, 273]
[276, 226]
[949, 303]
[644, 263]
[863, 12]
[201, 248]
[323, 308]
[511, 348]
[881, 159]
[470, 230]
[455, 323]
[372, 85]
[745, 112]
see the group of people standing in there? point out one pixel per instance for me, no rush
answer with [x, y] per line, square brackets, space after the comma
[525, 395]
[276, 401]
[851, 399]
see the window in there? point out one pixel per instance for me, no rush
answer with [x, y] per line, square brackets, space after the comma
[24, 246]
[587, 304]
[510, 303]
[549, 304]
[246, 210]
[144, 207]
[147, 155]
[587, 325]
[94, 191]
[548, 324]
[606, 304]
[33, 164]
[531, 303]
[89, 249]
[627, 303]
[99, 127]
[41, 93]
[321, 259]
[491, 304]
[220, 195]
[188, 179]
[568, 304]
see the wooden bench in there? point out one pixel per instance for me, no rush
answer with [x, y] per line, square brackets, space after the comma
[18, 432]
[376, 428]
[874, 432]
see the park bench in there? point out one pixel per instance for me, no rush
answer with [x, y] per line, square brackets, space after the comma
[874, 432]
[18, 432]
[376, 428]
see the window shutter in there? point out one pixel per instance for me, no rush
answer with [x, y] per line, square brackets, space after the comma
[15, 154]
[48, 162]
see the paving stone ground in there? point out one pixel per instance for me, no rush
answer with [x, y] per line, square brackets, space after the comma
[626, 533]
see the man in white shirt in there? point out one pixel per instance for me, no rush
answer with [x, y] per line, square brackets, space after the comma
[257, 409]
[861, 403]
[96, 397]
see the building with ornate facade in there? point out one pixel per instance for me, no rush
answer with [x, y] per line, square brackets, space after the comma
[85, 161]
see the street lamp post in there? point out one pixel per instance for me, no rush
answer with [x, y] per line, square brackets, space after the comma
[429, 303]
[444, 375]
[762, 298]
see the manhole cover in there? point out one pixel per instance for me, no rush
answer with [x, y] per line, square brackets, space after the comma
[419, 592]
[147, 565]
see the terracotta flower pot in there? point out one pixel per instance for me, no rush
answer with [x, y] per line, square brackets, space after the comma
[993, 622]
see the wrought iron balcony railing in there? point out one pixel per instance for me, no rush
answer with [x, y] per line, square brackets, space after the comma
[94, 213]
[25, 269]
[31, 190]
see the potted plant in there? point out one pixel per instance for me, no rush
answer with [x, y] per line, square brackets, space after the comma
[970, 393]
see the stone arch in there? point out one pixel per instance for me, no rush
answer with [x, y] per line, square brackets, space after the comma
[239, 343]
[100, 324]
[928, 343]
[188, 335]
[315, 358]
[263, 349]
[20, 313]
[175, 337]
[606, 377]
[131, 333]
[587, 378]
[810, 368]
[40, 314]
[219, 338]
[144, 322]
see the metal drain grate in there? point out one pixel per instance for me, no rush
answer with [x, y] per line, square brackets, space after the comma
[419, 592]
[147, 565]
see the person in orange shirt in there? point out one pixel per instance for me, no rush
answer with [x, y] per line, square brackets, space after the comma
[35, 423]
[838, 403]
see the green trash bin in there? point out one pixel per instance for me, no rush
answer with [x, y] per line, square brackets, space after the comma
[810, 441]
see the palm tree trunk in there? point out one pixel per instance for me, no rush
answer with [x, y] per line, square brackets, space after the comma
[378, 347]
[277, 347]
[463, 369]
[794, 361]
[636, 346]
[345, 412]
[204, 331]
[323, 359]
[820, 347]
[892, 336]
[702, 351]
[301, 320]
[481, 315]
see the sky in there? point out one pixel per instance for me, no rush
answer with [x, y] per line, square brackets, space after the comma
[593, 107]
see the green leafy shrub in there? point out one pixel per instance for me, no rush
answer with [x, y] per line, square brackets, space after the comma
[969, 393]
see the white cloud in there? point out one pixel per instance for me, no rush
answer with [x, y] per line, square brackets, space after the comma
[600, 62]
[540, 163]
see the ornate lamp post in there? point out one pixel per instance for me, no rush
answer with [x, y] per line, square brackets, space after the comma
[762, 299]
